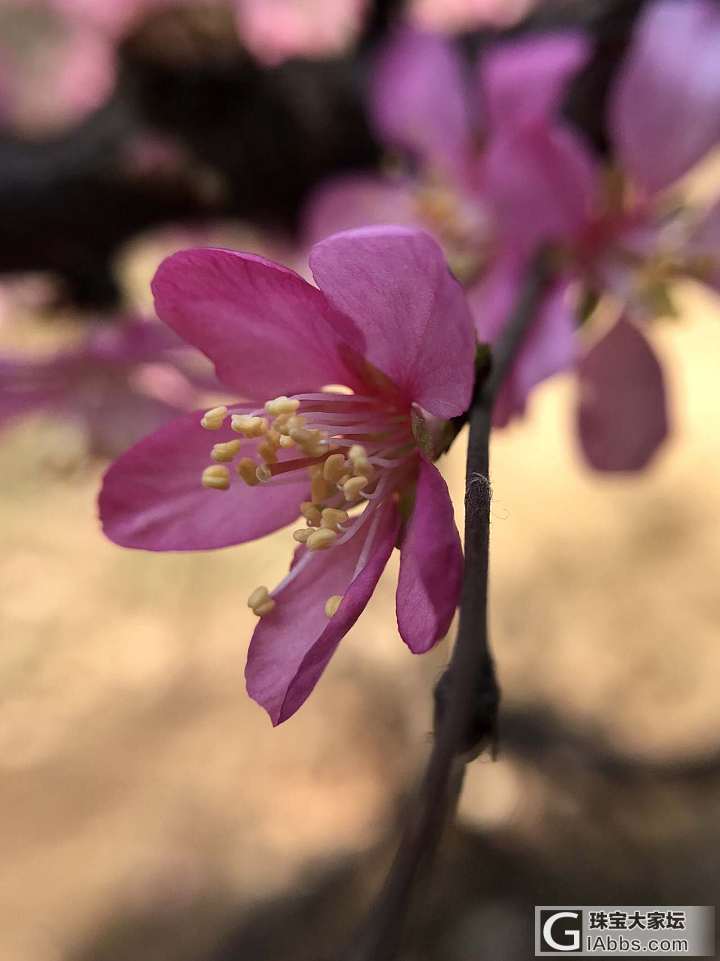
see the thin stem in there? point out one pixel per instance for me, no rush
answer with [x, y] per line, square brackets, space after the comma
[467, 696]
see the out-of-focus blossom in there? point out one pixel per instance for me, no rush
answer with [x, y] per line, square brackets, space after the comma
[535, 182]
[479, 141]
[343, 381]
[117, 384]
[456, 15]
[275, 30]
[53, 69]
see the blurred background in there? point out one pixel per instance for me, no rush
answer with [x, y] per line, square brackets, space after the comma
[148, 811]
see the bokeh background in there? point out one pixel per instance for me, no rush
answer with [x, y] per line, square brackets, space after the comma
[148, 811]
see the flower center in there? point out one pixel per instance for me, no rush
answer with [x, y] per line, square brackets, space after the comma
[355, 452]
[459, 224]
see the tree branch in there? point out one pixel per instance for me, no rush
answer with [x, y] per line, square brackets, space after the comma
[467, 696]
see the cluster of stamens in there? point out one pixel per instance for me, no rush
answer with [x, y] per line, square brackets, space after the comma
[324, 433]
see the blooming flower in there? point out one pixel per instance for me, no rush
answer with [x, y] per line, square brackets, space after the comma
[481, 143]
[118, 383]
[536, 183]
[339, 381]
[277, 29]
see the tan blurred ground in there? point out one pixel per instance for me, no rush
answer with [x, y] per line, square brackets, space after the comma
[134, 772]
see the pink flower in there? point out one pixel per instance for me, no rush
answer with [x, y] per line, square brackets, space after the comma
[390, 329]
[537, 183]
[54, 70]
[120, 382]
[489, 208]
[277, 29]
[455, 15]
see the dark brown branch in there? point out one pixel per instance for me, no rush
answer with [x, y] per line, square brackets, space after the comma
[467, 696]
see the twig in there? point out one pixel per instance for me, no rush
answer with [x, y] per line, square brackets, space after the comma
[467, 697]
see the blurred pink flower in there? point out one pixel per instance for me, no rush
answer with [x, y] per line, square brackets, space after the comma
[536, 182]
[275, 30]
[391, 326]
[475, 201]
[455, 15]
[120, 382]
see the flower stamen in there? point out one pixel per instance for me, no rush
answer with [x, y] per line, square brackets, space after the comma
[214, 418]
[260, 602]
[216, 477]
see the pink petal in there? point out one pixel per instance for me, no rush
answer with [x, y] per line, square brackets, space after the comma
[395, 285]
[267, 331]
[622, 415]
[524, 81]
[431, 565]
[549, 348]
[494, 297]
[356, 201]
[541, 183]
[292, 645]
[152, 497]
[418, 98]
[119, 417]
[277, 29]
[665, 108]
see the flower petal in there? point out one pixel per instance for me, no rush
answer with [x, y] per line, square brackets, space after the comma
[549, 348]
[431, 565]
[541, 183]
[418, 98]
[524, 81]
[665, 107]
[494, 297]
[622, 414]
[345, 203]
[395, 285]
[292, 645]
[152, 497]
[267, 330]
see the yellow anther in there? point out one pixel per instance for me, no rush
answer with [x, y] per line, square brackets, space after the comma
[216, 477]
[353, 487]
[344, 479]
[311, 441]
[311, 513]
[263, 473]
[247, 468]
[213, 419]
[264, 608]
[247, 425]
[268, 451]
[357, 452]
[332, 604]
[321, 539]
[334, 468]
[286, 441]
[331, 517]
[295, 422]
[302, 535]
[359, 459]
[260, 602]
[319, 489]
[281, 405]
[280, 423]
[223, 453]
